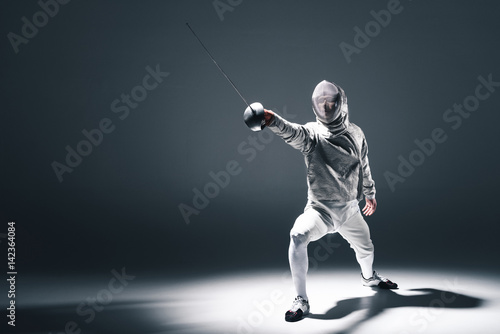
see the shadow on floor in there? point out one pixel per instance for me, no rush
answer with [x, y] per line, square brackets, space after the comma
[156, 317]
[386, 299]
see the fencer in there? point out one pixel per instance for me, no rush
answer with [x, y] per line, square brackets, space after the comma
[338, 177]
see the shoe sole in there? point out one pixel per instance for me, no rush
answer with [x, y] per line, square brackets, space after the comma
[302, 316]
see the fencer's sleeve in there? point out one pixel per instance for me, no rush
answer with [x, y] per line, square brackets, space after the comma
[296, 135]
[368, 183]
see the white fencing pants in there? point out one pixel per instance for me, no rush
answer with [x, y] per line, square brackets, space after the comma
[320, 218]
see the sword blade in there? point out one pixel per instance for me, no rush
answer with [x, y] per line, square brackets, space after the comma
[220, 69]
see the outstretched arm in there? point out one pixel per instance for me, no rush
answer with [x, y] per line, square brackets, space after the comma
[296, 135]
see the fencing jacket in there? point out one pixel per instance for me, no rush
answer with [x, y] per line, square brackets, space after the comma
[336, 156]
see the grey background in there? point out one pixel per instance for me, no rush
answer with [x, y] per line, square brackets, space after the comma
[119, 207]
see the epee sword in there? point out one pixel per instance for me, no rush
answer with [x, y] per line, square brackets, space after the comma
[254, 111]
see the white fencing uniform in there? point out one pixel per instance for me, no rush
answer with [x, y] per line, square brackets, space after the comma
[338, 175]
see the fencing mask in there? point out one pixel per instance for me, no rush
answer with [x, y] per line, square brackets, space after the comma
[326, 102]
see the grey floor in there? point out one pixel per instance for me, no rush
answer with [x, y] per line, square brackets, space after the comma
[429, 301]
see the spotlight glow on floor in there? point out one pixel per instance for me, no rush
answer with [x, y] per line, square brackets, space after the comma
[255, 302]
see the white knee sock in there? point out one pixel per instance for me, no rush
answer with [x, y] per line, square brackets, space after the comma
[299, 263]
[366, 265]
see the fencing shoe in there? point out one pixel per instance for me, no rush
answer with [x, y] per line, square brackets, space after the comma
[300, 308]
[377, 280]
